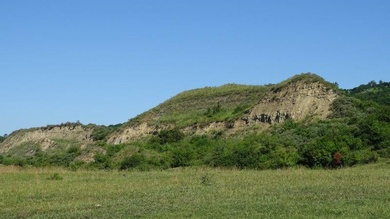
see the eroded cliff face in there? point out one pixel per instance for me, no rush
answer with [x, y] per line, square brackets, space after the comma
[45, 136]
[295, 101]
[131, 133]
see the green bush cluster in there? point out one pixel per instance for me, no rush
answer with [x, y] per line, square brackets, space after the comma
[40, 158]
[100, 133]
[2, 138]
[357, 133]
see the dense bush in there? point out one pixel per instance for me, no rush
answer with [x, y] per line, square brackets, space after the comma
[132, 161]
[100, 133]
[181, 155]
[101, 161]
[170, 136]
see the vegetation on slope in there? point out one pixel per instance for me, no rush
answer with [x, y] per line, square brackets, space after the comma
[357, 132]
[305, 78]
[379, 93]
[215, 104]
[205, 105]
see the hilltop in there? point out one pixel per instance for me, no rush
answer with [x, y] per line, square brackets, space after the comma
[234, 107]
[303, 120]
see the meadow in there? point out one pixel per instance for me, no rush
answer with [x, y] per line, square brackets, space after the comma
[196, 192]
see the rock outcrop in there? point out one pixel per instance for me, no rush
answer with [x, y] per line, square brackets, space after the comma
[131, 133]
[45, 136]
[294, 101]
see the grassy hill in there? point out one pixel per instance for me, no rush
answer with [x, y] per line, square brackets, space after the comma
[204, 105]
[233, 126]
[212, 104]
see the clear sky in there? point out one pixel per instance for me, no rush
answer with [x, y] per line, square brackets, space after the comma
[105, 62]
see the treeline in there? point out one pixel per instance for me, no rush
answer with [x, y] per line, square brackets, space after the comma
[2, 138]
[372, 91]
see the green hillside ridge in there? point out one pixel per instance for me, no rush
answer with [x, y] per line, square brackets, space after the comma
[304, 78]
[377, 92]
[204, 105]
[356, 131]
[214, 104]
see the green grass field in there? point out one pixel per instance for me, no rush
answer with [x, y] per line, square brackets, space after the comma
[358, 192]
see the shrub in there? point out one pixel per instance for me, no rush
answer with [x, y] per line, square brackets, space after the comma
[362, 157]
[383, 153]
[100, 133]
[102, 161]
[55, 176]
[219, 157]
[111, 150]
[170, 136]
[316, 156]
[182, 155]
[282, 157]
[245, 156]
[206, 180]
[74, 150]
[337, 159]
[75, 165]
[213, 111]
[132, 161]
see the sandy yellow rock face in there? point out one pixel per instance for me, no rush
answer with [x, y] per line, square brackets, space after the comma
[45, 136]
[296, 101]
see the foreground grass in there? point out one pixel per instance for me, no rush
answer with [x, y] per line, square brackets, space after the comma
[359, 192]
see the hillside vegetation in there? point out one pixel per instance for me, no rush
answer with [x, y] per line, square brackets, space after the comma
[302, 121]
[213, 104]
[205, 105]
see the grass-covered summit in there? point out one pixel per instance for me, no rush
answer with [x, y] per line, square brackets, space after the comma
[214, 104]
[204, 105]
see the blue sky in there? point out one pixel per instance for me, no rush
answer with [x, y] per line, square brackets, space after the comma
[105, 62]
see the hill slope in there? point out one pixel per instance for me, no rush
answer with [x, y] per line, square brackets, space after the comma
[234, 107]
[303, 120]
[46, 137]
[229, 108]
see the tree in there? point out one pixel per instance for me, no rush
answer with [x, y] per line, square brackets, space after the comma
[170, 136]
[2, 138]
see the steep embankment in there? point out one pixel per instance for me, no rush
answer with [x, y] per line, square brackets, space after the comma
[48, 137]
[230, 108]
[233, 108]
[296, 101]
[194, 108]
